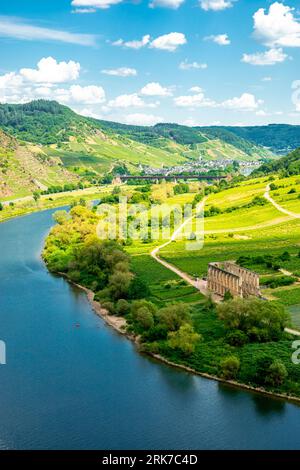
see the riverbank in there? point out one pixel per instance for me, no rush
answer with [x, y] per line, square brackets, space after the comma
[119, 325]
[25, 206]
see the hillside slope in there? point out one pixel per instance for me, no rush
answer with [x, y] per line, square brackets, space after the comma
[279, 138]
[288, 165]
[26, 168]
[88, 145]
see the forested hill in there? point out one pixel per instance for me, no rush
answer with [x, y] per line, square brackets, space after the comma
[288, 165]
[42, 122]
[280, 138]
[48, 123]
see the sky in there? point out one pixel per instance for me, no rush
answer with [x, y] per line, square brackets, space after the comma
[194, 62]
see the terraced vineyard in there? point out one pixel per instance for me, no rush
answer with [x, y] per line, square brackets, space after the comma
[267, 239]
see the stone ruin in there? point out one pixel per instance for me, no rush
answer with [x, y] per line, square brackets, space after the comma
[229, 277]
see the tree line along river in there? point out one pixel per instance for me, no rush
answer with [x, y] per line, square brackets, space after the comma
[71, 382]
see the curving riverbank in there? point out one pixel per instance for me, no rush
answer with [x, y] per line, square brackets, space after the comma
[71, 382]
[119, 325]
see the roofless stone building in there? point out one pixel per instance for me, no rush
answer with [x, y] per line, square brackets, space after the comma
[229, 277]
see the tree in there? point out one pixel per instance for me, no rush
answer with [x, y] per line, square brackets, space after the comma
[1, 206]
[228, 296]
[174, 316]
[142, 314]
[230, 367]
[122, 307]
[276, 374]
[237, 338]
[138, 289]
[61, 217]
[119, 283]
[36, 196]
[185, 339]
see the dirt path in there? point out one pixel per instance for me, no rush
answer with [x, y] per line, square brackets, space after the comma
[199, 284]
[278, 207]
[292, 332]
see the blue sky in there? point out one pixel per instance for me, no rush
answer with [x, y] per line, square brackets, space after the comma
[197, 62]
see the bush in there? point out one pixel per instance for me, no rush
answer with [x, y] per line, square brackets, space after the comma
[142, 315]
[138, 289]
[122, 307]
[237, 338]
[279, 281]
[174, 316]
[276, 374]
[184, 339]
[109, 306]
[230, 367]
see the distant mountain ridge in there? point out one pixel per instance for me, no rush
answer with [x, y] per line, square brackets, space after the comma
[48, 122]
[280, 138]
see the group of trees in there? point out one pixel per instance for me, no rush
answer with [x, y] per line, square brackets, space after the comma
[252, 319]
[269, 261]
[285, 166]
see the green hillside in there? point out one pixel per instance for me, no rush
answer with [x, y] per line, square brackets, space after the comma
[286, 166]
[25, 168]
[97, 145]
[279, 138]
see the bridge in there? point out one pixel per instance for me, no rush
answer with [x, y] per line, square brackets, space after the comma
[125, 178]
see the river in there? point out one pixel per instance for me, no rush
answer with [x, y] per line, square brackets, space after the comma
[71, 382]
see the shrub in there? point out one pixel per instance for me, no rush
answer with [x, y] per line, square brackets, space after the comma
[279, 281]
[276, 374]
[122, 307]
[174, 316]
[237, 338]
[184, 339]
[142, 315]
[109, 306]
[230, 367]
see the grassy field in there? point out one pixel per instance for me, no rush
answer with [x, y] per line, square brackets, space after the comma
[288, 193]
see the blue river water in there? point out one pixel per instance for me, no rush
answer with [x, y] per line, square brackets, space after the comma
[71, 382]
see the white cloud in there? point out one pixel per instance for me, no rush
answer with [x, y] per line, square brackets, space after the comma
[278, 27]
[246, 102]
[216, 5]
[166, 3]
[266, 79]
[197, 100]
[30, 84]
[10, 80]
[102, 4]
[270, 57]
[89, 113]
[185, 65]
[87, 94]
[50, 71]
[155, 89]
[127, 101]
[18, 29]
[135, 44]
[169, 42]
[120, 72]
[84, 10]
[196, 89]
[140, 119]
[221, 39]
